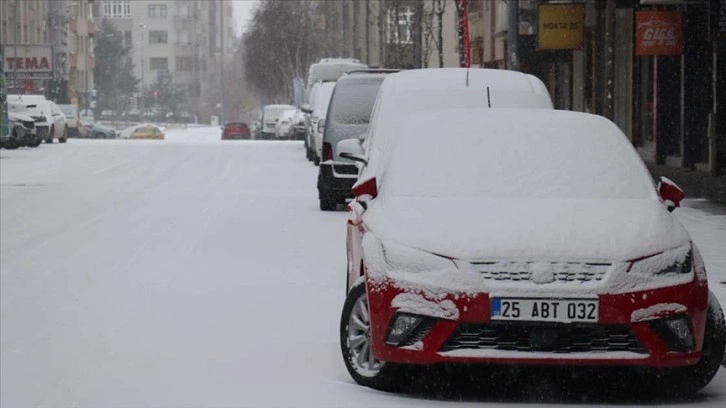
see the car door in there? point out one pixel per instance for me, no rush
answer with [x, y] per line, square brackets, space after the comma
[59, 121]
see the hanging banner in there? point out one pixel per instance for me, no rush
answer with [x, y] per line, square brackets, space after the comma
[658, 33]
[560, 26]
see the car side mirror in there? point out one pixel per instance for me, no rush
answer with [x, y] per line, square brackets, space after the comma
[351, 149]
[306, 109]
[670, 193]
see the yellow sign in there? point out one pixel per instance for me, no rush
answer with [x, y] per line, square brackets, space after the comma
[561, 26]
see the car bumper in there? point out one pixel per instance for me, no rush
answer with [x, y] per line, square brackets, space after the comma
[472, 337]
[337, 178]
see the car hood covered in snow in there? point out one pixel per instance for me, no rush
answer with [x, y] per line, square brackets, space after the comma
[492, 228]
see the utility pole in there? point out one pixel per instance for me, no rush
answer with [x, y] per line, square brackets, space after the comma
[513, 34]
[143, 84]
[221, 59]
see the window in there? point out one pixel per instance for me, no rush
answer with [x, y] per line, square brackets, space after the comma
[158, 37]
[400, 25]
[157, 10]
[117, 9]
[183, 37]
[159, 63]
[183, 63]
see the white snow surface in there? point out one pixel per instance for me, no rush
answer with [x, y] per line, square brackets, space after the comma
[656, 311]
[189, 272]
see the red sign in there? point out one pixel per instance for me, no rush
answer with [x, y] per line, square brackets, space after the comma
[658, 33]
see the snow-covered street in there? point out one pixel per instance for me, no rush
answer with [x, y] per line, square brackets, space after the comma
[194, 272]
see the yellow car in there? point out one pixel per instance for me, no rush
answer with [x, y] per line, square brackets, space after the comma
[147, 132]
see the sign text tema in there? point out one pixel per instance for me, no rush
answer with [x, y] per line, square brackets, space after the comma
[28, 61]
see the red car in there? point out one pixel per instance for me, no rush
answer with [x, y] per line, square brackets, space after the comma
[235, 131]
[513, 236]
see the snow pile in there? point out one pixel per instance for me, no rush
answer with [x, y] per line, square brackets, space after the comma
[657, 311]
[417, 304]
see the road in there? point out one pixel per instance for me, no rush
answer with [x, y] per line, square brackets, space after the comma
[189, 272]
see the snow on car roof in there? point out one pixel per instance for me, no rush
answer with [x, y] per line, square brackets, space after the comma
[450, 78]
[514, 153]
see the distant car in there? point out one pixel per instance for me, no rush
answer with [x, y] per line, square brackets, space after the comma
[132, 115]
[50, 121]
[85, 117]
[108, 115]
[236, 131]
[269, 119]
[489, 251]
[284, 128]
[95, 130]
[72, 119]
[147, 132]
[318, 108]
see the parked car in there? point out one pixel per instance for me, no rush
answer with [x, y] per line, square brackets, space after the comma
[96, 130]
[49, 120]
[316, 111]
[147, 132]
[348, 114]
[72, 119]
[255, 129]
[298, 125]
[235, 131]
[490, 253]
[284, 127]
[269, 119]
[23, 131]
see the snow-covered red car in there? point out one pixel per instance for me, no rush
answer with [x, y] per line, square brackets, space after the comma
[532, 237]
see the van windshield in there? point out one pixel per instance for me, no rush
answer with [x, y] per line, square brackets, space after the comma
[354, 101]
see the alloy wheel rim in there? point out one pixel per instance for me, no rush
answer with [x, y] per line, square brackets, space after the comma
[359, 340]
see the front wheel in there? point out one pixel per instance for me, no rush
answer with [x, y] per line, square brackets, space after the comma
[65, 136]
[51, 132]
[686, 381]
[327, 201]
[355, 344]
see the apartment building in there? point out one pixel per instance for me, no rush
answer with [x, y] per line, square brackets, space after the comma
[23, 22]
[183, 37]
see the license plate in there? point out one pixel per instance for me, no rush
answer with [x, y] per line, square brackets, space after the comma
[545, 310]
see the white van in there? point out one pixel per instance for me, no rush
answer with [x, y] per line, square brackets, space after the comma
[269, 119]
[330, 69]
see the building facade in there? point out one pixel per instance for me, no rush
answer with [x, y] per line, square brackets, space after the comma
[655, 67]
[182, 37]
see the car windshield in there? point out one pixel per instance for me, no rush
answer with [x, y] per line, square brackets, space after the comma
[354, 101]
[567, 157]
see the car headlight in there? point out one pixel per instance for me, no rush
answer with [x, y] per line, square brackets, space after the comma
[673, 261]
[406, 259]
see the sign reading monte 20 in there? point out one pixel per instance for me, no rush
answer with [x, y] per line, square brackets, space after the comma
[560, 26]
[28, 61]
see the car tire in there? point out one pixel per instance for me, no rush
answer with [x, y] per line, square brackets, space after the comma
[355, 337]
[327, 201]
[35, 142]
[51, 133]
[683, 382]
[65, 136]
[99, 135]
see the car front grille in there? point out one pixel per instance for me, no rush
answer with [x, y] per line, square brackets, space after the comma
[42, 131]
[521, 271]
[549, 337]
